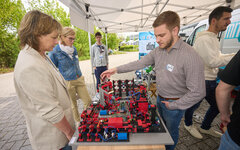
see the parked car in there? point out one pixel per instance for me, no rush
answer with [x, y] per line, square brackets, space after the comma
[228, 39]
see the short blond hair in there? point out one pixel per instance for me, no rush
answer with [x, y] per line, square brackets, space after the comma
[66, 32]
[170, 18]
[35, 24]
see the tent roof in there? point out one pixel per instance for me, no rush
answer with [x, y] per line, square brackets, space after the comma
[137, 15]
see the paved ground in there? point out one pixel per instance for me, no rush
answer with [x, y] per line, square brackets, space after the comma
[13, 134]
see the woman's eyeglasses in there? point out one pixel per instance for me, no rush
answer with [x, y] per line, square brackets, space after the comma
[71, 39]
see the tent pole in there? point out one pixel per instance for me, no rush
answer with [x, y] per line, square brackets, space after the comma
[106, 38]
[230, 3]
[90, 46]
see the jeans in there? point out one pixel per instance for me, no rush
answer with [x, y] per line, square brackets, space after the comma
[189, 114]
[172, 119]
[212, 111]
[228, 143]
[98, 72]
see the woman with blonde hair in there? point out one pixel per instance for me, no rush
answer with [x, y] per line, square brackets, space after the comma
[65, 57]
[40, 88]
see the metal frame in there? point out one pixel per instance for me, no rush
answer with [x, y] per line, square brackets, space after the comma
[140, 24]
[144, 20]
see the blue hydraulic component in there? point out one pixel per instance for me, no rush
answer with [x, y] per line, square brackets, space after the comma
[103, 112]
[122, 136]
[138, 74]
[122, 107]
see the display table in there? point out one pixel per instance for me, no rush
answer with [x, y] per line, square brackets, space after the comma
[129, 121]
[130, 147]
[139, 141]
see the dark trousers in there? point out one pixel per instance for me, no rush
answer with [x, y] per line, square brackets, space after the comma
[212, 111]
[67, 147]
[98, 72]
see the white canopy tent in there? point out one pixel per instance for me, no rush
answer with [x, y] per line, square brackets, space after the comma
[115, 16]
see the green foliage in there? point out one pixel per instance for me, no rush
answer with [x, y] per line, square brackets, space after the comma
[112, 39]
[81, 44]
[51, 7]
[129, 48]
[11, 13]
[121, 38]
[9, 50]
[6, 70]
[84, 58]
[117, 52]
[127, 39]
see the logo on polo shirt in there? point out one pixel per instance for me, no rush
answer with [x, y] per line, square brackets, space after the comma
[170, 67]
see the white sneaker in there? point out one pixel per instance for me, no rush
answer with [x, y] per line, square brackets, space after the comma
[193, 131]
[211, 132]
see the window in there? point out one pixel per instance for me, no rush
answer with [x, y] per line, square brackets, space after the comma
[192, 37]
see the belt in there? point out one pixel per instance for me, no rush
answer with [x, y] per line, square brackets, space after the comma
[168, 98]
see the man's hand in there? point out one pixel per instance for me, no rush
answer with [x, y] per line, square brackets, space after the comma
[225, 118]
[94, 68]
[108, 73]
[166, 104]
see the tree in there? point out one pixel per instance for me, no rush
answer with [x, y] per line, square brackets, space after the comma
[127, 39]
[113, 40]
[121, 38]
[81, 43]
[51, 7]
[11, 13]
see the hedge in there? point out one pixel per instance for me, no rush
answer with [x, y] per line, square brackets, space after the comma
[129, 48]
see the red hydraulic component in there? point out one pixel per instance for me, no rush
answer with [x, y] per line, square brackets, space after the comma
[115, 122]
[91, 127]
[84, 128]
[88, 137]
[97, 139]
[146, 130]
[143, 106]
[80, 137]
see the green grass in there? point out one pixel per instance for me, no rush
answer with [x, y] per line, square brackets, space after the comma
[130, 50]
[6, 70]
[84, 58]
[117, 52]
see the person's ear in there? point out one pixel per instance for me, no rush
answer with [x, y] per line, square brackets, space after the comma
[175, 31]
[213, 21]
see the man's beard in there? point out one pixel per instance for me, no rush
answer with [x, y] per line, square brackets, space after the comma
[169, 43]
[220, 29]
